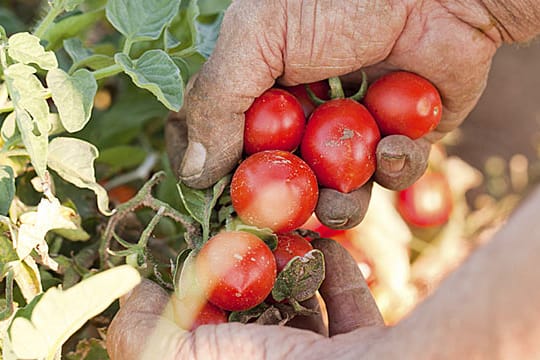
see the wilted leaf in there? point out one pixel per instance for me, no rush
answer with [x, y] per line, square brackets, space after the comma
[58, 314]
[245, 316]
[156, 72]
[25, 48]
[301, 277]
[73, 96]
[7, 188]
[141, 19]
[73, 160]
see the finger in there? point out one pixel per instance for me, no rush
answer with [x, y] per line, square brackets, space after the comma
[251, 38]
[176, 139]
[401, 161]
[140, 312]
[348, 300]
[314, 322]
[339, 210]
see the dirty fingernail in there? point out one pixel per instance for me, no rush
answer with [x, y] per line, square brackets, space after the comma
[391, 163]
[194, 159]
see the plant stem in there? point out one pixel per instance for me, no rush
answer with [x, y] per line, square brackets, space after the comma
[127, 46]
[336, 90]
[107, 72]
[46, 22]
[143, 241]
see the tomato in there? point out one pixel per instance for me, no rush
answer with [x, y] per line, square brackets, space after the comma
[319, 88]
[122, 193]
[190, 315]
[427, 202]
[275, 121]
[236, 270]
[290, 245]
[404, 103]
[324, 231]
[274, 189]
[339, 144]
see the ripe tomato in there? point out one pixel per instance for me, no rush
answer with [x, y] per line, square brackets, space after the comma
[404, 103]
[274, 189]
[236, 270]
[290, 245]
[339, 144]
[122, 193]
[319, 88]
[427, 202]
[190, 315]
[275, 121]
[324, 231]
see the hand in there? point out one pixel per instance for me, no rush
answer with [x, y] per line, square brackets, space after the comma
[313, 40]
[143, 327]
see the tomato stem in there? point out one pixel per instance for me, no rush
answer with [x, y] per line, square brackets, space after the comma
[336, 89]
[314, 98]
[359, 95]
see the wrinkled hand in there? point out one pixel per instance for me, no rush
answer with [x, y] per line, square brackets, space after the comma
[305, 41]
[143, 327]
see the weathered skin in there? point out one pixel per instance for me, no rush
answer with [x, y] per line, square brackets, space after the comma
[297, 42]
[488, 309]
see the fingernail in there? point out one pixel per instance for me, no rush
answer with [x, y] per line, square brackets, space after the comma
[392, 163]
[194, 159]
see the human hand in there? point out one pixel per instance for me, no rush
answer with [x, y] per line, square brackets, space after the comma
[312, 40]
[144, 328]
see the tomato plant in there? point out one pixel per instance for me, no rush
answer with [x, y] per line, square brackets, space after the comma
[290, 245]
[274, 189]
[428, 202]
[339, 144]
[404, 103]
[237, 270]
[275, 121]
[319, 88]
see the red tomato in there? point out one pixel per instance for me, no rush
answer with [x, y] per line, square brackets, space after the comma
[339, 144]
[404, 103]
[427, 202]
[274, 189]
[275, 121]
[191, 315]
[290, 245]
[319, 88]
[324, 231]
[236, 270]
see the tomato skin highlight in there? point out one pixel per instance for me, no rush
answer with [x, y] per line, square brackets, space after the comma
[290, 245]
[319, 88]
[404, 103]
[236, 270]
[274, 189]
[275, 121]
[339, 144]
[426, 203]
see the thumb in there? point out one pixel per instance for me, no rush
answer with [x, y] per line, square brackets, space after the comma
[250, 38]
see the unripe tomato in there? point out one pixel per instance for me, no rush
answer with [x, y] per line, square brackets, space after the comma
[275, 121]
[319, 88]
[404, 103]
[427, 202]
[236, 270]
[274, 189]
[339, 144]
[290, 245]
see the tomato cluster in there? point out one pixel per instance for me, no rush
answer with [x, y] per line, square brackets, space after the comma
[289, 156]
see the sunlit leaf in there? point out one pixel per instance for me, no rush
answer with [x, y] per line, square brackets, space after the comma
[7, 188]
[73, 96]
[73, 160]
[141, 19]
[26, 275]
[25, 48]
[58, 314]
[156, 72]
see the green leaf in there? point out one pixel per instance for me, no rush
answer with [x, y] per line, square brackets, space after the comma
[200, 203]
[207, 34]
[122, 157]
[7, 253]
[73, 96]
[7, 188]
[25, 48]
[266, 234]
[83, 57]
[76, 50]
[26, 274]
[67, 5]
[301, 277]
[89, 349]
[70, 27]
[73, 160]
[245, 316]
[58, 314]
[34, 141]
[141, 19]
[211, 7]
[156, 72]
